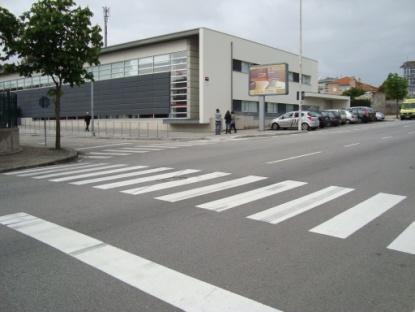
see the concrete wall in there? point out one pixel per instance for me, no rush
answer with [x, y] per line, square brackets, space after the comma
[9, 141]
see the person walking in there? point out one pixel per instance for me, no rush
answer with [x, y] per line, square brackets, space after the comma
[233, 125]
[218, 122]
[87, 119]
[228, 120]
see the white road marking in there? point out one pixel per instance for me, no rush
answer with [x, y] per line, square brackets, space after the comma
[351, 220]
[146, 179]
[174, 197]
[99, 146]
[125, 151]
[179, 290]
[156, 146]
[95, 157]
[386, 137]
[250, 196]
[352, 144]
[294, 157]
[61, 169]
[411, 132]
[120, 176]
[59, 174]
[297, 206]
[93, 174]
[170, 184]
[108, 154]
[405, 242]
[45, 168]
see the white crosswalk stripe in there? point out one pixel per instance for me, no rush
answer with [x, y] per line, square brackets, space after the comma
[348, 222]
[46, 168]
[95, 157]
[146, 179]
[166, 185]
[157, 146]
[405, 242]
[109, 153]
[61, 169]
[93, 174]
[180, 290]
[121, 176]
[175, 197]
[297, 206]
[59, 174]
[250, 196]
[126, 151]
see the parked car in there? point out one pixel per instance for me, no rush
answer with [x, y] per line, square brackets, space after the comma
[323, 118]
[341, 113]
[334, 119]
[351, 117]
[379, 116]
[364, 113]
[290, 120]
[407, 110]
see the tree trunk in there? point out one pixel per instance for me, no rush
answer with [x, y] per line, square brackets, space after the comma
[397, 109]
[57, 117]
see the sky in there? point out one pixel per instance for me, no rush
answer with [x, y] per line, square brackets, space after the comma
[367, 39]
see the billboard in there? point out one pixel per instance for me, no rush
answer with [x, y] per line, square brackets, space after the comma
[269, 79]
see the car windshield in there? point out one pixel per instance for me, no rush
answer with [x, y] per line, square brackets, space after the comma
[313, 114]
[408, 105]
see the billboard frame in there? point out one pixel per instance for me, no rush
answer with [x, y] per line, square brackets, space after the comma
[269, 94]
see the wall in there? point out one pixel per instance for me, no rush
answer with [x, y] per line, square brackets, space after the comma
[9, 141]
[138, 95]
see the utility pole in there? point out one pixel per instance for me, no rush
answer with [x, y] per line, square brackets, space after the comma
[106, 16]
[300, 61]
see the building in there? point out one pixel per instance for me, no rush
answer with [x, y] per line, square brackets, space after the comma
[180, 77]
[409, 74]
[324, 83]
[338, 86]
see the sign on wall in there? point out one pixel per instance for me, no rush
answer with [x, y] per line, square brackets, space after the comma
[269, 79]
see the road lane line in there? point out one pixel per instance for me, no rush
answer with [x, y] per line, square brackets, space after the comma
[353, 219]
[182, 291]
[352, 144]
[294, 157]
[405, 242]
[156, 146]
[128, 149]
[61, 169]
[99, 146]
[250, 196]
[59, 174]
[44, 168]
[174, 197]
[125, 151]
[120, 176]
[170, 184]
[297, 206]
[95, 157]
[93, 174]
[386, 137]
[146, 179]
[109, 154]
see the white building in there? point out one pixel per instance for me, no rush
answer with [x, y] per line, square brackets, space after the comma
[181, 77]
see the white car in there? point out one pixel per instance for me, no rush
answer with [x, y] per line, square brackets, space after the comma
[288, 120]
[351, 117]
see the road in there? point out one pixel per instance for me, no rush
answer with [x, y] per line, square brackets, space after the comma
[321, 221]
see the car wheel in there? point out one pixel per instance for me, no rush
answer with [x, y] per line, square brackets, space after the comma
[305, 126]
[275, 126]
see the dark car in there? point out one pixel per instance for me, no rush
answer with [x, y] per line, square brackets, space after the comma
[364, 113]
[324, 118]
[333, 119]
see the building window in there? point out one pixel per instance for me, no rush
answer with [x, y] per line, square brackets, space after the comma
[249, 107]
[307, 79]
[117, 70]
[293, 77]
[237, 65]
[272, 108]
[145, 66]
[105, 72]
[162, 63]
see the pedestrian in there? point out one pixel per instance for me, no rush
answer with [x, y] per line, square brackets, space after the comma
[87, 119]
[218, 122]
[228, 120]
[233, 125]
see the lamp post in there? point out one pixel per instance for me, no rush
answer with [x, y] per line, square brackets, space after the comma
[92, 108]
[300, 63]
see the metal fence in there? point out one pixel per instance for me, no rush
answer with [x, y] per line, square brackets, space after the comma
[8, 110]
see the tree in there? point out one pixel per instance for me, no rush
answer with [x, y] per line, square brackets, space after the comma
[354, 93]
[56, 39]
[396, 87]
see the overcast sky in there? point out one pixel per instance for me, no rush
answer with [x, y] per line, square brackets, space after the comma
[361, 38]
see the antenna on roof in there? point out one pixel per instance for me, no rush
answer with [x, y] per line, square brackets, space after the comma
[106, 16]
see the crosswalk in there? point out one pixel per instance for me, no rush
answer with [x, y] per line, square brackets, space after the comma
[134, 180]
[127, 149]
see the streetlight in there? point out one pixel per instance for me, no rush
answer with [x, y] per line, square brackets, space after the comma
[300, 61]
[92, 106]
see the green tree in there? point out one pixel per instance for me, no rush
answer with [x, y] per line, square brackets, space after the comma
[396, 87]
[54, 38]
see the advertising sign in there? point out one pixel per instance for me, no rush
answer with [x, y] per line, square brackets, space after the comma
[268, 79]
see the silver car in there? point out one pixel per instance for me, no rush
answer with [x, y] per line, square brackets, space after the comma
[351, 117]
[288, 120]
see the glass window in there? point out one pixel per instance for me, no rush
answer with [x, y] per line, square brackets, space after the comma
[44, 80]
[1, 85]
[237, 65]
[105, 72]
[131, 68]
[293, 77]
[145, 66]
[20, 83]
[306, 79]
[28, 82]
[249, 107]
[117, 70]
[180, 54]
[95, 72]
[162, 60]
[36, 81]
[245, 67]
[13, 84]
[7, 84]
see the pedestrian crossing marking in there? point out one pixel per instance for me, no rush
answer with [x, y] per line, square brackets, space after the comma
[247, 197]
[170, 184]
[120, 176]
[146, 179]
[58, 174]
[353, 219]
[174, 197]
[297, 206]
[95, 157]
[405, 242]
[87, 175]
[108, 153]
[127, 151]
[79, 166]
[182, 291]
[45, 168]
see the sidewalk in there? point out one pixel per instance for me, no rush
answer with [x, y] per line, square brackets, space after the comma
[31, 156]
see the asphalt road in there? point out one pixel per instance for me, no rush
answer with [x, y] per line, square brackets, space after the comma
[340, 235]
